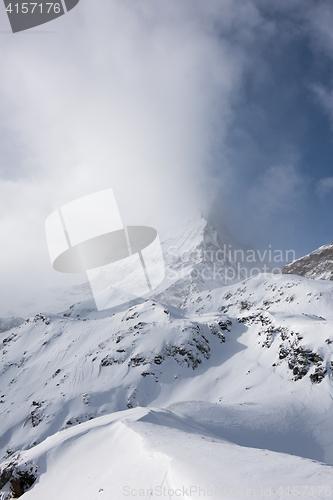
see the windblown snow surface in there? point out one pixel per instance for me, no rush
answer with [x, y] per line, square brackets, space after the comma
[228, 396]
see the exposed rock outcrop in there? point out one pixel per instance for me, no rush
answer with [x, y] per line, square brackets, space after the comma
[316, 265]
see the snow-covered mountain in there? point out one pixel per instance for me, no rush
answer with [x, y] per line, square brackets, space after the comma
[316, 265]
[259, 354]
[227, 388]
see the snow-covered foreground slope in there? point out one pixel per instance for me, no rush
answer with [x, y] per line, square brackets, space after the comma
[152, 453]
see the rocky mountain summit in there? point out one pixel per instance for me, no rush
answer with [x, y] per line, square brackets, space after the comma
[198, 257]
[316, 265]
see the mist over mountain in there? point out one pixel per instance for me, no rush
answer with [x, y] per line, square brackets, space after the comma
[197, 257]
[178, 106]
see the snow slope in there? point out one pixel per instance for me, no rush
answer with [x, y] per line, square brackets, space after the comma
[154, 453]
[9, 323]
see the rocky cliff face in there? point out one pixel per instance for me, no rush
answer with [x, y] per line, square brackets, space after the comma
[317, 265]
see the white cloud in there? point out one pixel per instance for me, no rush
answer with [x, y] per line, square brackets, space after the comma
[277, 191]
[324, 186]
[137, 96]
[129, 95]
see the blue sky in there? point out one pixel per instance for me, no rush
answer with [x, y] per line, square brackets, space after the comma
[282, 120]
